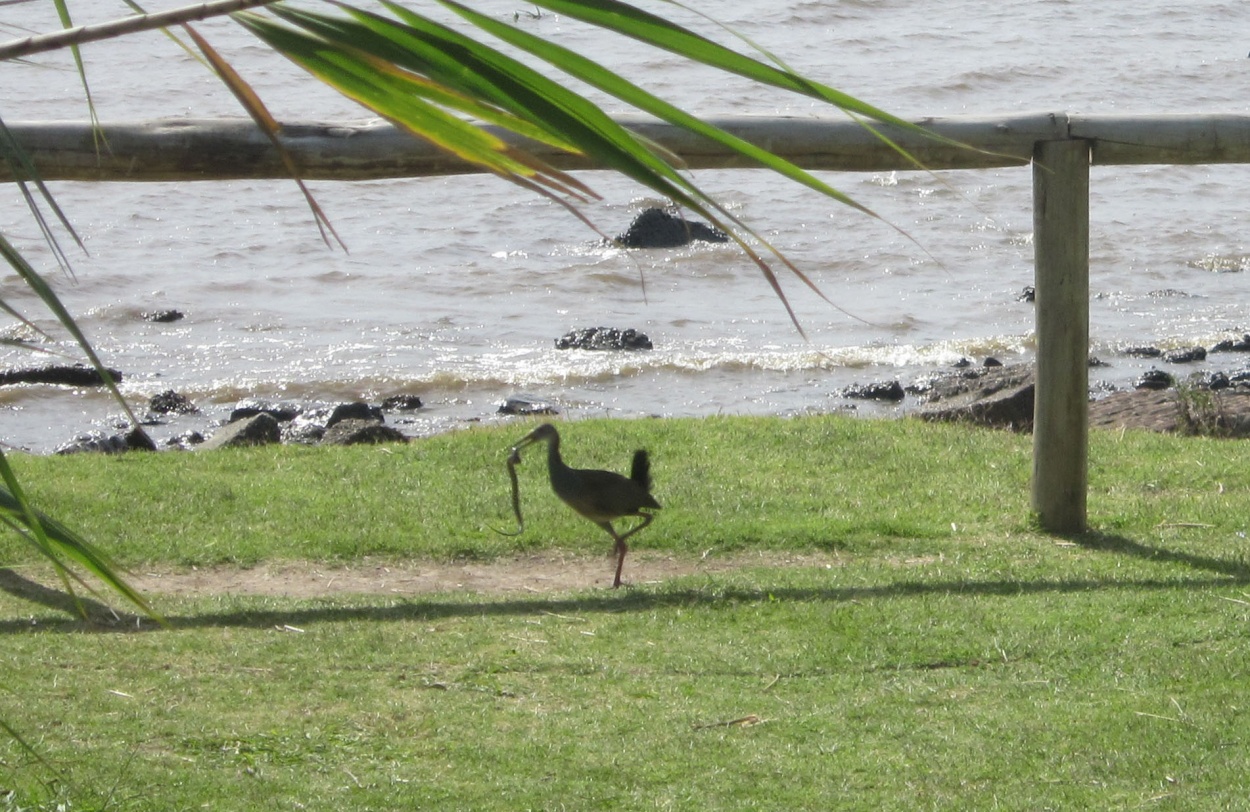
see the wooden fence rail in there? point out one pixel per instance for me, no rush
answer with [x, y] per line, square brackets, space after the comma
[1061, 148]
[227, 149]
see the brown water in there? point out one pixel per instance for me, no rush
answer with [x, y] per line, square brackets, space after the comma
[455, 288]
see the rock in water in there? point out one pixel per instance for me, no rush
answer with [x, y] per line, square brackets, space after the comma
[250, 407]
[1185, 355]
[657, 228]
[882, 390]
[1154, 379]
[401, 403]
[171, 402]
[63, 375]
[603, 338]
[526, 406]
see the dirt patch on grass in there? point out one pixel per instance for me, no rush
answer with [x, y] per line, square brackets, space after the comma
[541, 573]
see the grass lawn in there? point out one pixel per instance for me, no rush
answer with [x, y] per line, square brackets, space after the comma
[934, 651]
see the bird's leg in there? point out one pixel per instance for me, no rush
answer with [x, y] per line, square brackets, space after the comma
[621, 546]
[646, 520]
[621, 549]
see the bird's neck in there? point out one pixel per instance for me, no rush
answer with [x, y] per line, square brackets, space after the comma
[554, 461]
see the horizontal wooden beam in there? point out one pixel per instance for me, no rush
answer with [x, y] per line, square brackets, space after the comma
[1170, 139]
[228, 149]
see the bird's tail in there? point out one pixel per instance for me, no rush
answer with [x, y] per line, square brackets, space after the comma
[640, 471]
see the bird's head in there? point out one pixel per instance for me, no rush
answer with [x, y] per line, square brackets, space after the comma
[546, 432]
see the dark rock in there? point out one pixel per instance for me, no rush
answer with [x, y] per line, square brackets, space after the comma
[353, 411]
[138, 440]
[1143, 352]
[603, 338]
[187, 439]
[171, 402]
[94, 442]
[354, 431]
[657, 228]
[525, 406]
[1155, 379]
[250, 407]
[401, 403]
[1185, 355]
[1233, 345]
[303, 431]
[162, 316]
[892, 391]
[993, 362]
[1215, 381]
[63, 375]
[259, 429]
[978, 381]
[997, 396]
[1029, 294]
[962, 363]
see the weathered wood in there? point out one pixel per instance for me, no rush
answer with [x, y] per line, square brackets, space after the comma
[1170, 139]
[232, 149]
[1061, 283]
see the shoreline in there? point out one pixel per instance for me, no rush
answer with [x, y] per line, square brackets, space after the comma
[175, 422]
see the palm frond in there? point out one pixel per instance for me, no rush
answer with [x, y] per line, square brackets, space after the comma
[50, 300]
[59, 544]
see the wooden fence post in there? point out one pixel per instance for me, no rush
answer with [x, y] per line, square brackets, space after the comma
[1061, 407]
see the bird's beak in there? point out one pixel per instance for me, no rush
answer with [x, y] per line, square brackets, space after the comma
[528, 439]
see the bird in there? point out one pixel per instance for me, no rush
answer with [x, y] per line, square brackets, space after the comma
[601, 496]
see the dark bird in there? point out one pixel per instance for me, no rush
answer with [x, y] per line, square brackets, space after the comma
[601, 496]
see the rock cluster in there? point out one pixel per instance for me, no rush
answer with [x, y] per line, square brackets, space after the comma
[261, 422]
[99, 442]
[255, 421]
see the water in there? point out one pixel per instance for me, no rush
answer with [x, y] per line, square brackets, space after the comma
[455, 288]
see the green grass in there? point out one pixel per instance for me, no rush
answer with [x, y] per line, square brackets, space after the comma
[953, 658]
[727, 484]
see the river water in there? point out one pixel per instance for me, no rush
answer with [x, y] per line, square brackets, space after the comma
[454, 289]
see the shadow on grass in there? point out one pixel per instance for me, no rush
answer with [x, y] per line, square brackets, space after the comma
[1224, 573]
[1103, 542]
[21, 587]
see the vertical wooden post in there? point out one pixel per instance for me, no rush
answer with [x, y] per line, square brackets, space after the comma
[1061, 285]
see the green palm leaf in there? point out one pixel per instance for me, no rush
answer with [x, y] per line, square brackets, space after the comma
[654, 30]
[59, 544]
[345, 51]
[50, 300]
